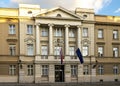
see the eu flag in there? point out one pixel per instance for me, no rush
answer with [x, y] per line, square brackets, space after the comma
[79, 55]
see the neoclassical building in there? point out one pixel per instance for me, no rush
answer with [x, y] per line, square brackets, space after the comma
[32, 38]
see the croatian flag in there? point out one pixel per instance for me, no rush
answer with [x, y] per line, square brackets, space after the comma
[61, 56]
[79, 55]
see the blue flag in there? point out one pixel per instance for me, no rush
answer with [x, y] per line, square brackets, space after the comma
[79, 55]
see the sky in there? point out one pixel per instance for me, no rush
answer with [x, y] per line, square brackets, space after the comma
[101, 7]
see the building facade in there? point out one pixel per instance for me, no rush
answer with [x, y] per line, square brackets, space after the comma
[32, 39]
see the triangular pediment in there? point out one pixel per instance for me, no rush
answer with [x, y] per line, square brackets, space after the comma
[58, 12]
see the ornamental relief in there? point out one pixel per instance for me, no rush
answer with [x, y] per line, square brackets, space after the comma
[85, 42]
[29, 40]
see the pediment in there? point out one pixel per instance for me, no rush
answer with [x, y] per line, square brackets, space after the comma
[58, 12]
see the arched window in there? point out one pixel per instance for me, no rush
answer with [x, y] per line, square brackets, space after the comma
[58, 15]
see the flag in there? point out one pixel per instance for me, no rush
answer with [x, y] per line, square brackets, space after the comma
[79, 55]
[61, 56]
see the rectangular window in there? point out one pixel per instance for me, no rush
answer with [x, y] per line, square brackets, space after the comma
[30, 49]
[85, 32]
[74, 70]
[115, 70]
[58, 32]
[29, 29]
[71, 51]
[100, 51]
[11, 29]
[44, 31]
[86, 70]
[115, 51]
[44, 52]
[45, 70]
[115, 34]
[71, 33]
[57, 50]
[12, 70]
[100, 33]
[100, 70]
[30, 70]
[12, 49]
[85, 50]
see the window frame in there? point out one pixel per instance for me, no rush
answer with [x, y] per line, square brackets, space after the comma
[85, 51]
[115, 34]
[100, 33]
[30, 70]
[12, 49]
[74, 70]
[29, 29]
[12, 30]
[45, 70]
[100, 70]
[85, 32]
[12, 69]
[30, 49]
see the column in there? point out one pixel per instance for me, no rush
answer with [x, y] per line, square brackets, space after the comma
[66, 39]
[37, 40]
[80, 73]
[51, 73]
[50, 39]
[79, 37]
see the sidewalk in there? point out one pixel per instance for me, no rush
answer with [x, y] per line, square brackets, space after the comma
[63, 84]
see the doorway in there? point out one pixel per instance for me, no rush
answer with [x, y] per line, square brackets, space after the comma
[59, 73]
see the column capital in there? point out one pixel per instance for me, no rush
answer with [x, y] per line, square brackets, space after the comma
[50, 24]
[37, 24]
[67, 25]
[79, 26]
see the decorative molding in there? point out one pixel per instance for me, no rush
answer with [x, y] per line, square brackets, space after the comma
[29, 40]
[11, 39]
[85, 42]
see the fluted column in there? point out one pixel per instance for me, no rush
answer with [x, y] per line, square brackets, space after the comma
[79, 37]
[37, 39]
[50, 39]
[66, 39]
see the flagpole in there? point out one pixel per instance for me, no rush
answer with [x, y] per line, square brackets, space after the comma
[90, 71]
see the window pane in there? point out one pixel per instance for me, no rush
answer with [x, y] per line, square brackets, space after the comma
[12, 70]
[115, 52]
[30, 69]
[100, 33]
[57, 50]
[29, 49]
[74, 70]
[44, 70]
[12, 49]
[44, 50]
[72, 51]
[85, 32]
[86, 70]
[100, 51]
[100, 69]
[85, 50]
[11, 29]
[115, 69]
[44, 31]
[29, 29]
[58, 32]
[115, 34]
[71, 33]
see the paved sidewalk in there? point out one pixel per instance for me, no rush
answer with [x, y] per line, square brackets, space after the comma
[63, 84]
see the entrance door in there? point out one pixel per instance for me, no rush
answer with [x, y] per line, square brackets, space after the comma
[59, 73]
